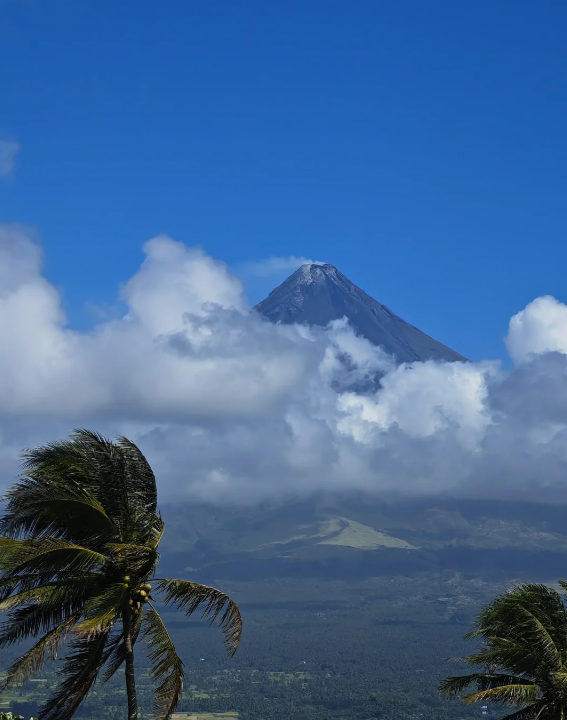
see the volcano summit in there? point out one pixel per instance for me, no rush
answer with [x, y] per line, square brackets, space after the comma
[316, 294]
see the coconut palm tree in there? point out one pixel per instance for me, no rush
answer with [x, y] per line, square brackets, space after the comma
[522, 659]
[80, 536]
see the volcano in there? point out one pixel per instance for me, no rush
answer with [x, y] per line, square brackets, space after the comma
[317, 294]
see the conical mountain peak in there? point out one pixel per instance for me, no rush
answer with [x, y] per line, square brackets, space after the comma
[314, 272]
[317, 293]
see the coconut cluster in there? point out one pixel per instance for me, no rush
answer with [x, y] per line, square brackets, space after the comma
[140, 596]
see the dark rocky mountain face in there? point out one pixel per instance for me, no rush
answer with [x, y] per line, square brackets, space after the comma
[318, 294]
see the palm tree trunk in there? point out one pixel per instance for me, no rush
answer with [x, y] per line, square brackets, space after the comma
[129, 673]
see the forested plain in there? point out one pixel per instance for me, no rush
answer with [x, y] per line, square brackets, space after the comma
[313, 649]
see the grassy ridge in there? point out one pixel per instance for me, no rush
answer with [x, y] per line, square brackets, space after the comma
[356, 535]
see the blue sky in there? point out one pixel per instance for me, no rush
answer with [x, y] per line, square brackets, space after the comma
[419, 146]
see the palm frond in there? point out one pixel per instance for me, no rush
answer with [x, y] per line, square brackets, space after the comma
[521, 695]
[58, 508]
[166, 664]
[107, 465]
[510, 656]
[524, 631]
[53, 554]
[559, 682]
[79, 672]
[85, 487]
[140, 560]
[216, 606]
[156, 532]
[538, 711]
[42, 614]
[543, 599]
[102, 610]
[523, 635]
[33, 660]
[124, 479]
[140, 476]
[47, 596]
[13, 584]
[7, 548]
[452, 686]
[128, 549]
[87, 461]
[541, 640]
[543, 603]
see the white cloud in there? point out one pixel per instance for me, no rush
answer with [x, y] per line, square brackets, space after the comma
[540, 327]
[8, 151]
[422, 400]
[229, 407]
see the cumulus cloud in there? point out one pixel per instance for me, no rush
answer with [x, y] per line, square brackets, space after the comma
[231, 408]
[540, 327]
[8, 151]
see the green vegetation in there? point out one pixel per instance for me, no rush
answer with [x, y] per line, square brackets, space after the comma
[342, 531]
[356, 535]
[314, 649]
[81, 532]
[522, 660]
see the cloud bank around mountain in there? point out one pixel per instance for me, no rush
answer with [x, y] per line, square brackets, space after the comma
[230, 408]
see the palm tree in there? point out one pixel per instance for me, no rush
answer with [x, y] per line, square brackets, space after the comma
[522, 659]
[79, 548]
